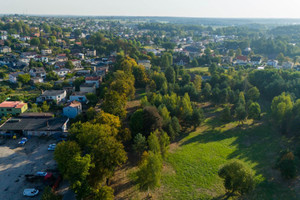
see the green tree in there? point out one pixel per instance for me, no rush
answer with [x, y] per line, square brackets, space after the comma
[241, 113]
[226, 114]
[149, 173]
[153, 143]
[69, 65]
[198, 83]
[254, 111]
[281, 110]
[24, 78]
[237, 177]
[253, 94]
[45, 107]
[186, 108]
[35, 42]
[114, 103]
[139, 144]
[136, 121]
[170, 75]
[49, 195]
[287, 165]
[197, 117]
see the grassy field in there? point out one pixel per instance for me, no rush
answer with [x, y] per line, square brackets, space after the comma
[198, 69]
[190, 171]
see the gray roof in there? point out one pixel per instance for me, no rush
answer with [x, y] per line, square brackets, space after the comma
[53, 92]
[34, 124]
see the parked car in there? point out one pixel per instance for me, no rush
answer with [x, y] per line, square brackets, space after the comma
[31, 192]
[41, 174]
[23, 141]
[51, 147]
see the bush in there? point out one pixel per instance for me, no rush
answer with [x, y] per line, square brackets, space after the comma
[287, 165]
[237, 177]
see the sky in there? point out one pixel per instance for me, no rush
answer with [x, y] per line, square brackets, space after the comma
[175, 8]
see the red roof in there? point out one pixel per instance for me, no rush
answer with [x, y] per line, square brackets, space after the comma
[92, 78]
[244, 58]
[12, 104]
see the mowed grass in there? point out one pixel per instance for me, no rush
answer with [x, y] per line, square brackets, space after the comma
[191, 169]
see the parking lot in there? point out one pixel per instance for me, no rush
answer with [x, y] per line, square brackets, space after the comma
[16, 161]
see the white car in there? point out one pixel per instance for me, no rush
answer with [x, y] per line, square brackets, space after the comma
[41, 174]
[30, 192]
[51, 147]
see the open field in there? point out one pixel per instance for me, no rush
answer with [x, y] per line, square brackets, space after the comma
[16, 161]
[190, 171]
[191, 168]
[198, 69]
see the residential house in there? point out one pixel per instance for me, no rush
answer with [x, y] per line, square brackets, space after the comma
[72, 109]
[76, 63]
[37, 80]
[52, 95]
[43, 59]
[94, 79]
[287, 65]
[91, 53]
[241, 60]
[255, 60]
[61, 58]
[12, 108]
[88, 88]
[13, 77]
[5, 49]
[62, 72]
[145, 63]
[35, 124]
[79, 56]
[3, 37]
[38, 72]
[46, 52]
[16, 36]
[79, 96]
[272, 63]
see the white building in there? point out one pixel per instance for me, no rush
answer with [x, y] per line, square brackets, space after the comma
[52, 95]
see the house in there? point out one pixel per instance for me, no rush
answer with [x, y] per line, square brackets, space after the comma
[37, 80]
[25, 38]
[61, 58]
[76, 63]
[88, 88]
[38, 72]
[72, 109]
[145, 63]
[16, 36]
[35, 124]
[94, 79]
[241, 60]
[43, 59]
[287, 65]
[3, 37]
[46, 52]
[52, 95]
[91, 53]
[255, 60]
[12, 108]
[79, 96]
[13, 77]
[272, 63]
[79, 56]
[5, 49]
[29, 55]
[62, 72]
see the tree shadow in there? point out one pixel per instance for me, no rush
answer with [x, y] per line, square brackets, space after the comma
[258, 144]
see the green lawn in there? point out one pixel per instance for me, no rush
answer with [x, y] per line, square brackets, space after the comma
[191, 168]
